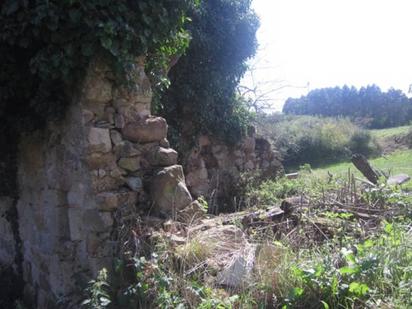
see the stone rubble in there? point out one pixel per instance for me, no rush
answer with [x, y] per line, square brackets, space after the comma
[213, 169]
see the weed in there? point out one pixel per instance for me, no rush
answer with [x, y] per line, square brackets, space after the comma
[97, 292]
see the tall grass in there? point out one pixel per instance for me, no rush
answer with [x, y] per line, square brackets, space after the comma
[375, 273]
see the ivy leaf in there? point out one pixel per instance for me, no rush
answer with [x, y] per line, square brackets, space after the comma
[106, 42]
[11, 7]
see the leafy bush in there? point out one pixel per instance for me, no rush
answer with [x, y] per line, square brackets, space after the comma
[368, 273]
[202, 95]
[316, 140]
[273, 191]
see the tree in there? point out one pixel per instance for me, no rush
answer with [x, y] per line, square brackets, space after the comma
[202, 95]
[368, 106]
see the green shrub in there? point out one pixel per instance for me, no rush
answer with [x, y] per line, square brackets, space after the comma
[316, 140]
[202, 96]
[360, 274]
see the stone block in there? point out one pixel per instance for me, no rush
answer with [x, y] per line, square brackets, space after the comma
[109, 113]
[131, 164]
[110, 201]
[116, 137]
[118, 172]
[99, 140]
[127, 149]
[97, 221]
[76, 223]
[169, 191]
[141, 93]
[94, 243]
[61, 276]
[106, 183]
[100, 160]
[165, 143]
[76, 195]
[135, 183]
[119, 121]
[160, 156]
[192, 213]
[97, 89]
[151, 129]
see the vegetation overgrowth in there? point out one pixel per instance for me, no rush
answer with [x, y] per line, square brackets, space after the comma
[48, 44]
[342, 246]
[315, 140]
[202, 96]
[390, 132]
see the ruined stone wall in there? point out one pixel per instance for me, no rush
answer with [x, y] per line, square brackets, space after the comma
[213, 169]
[80, 179]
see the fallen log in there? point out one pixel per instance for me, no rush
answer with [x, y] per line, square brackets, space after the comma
[362, 164]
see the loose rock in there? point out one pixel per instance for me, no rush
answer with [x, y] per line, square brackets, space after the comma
[168, 190]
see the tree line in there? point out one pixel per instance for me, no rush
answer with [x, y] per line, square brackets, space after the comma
[368, 106]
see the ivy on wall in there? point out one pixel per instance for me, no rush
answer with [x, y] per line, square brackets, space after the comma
[47, 44]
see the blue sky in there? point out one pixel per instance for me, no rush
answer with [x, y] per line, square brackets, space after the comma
[308, 44]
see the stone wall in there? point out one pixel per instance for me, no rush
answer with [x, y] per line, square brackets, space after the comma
[213, 169]
[7, 237]
[80, 179]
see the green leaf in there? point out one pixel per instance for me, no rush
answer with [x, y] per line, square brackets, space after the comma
[347, 270]
[104, 301]
[297, 292]
[325, 304]
[360, 289]
[388, 228]
[106, 42]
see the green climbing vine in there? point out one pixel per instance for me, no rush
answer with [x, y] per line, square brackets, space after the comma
[46, 44]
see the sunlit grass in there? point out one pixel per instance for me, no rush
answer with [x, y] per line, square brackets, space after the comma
[395, 163]
[384, 133]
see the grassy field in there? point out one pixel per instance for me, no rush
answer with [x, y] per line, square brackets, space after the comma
[395, 163]
[384, 133]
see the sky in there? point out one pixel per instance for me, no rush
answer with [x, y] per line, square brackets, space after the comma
[309, 44]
